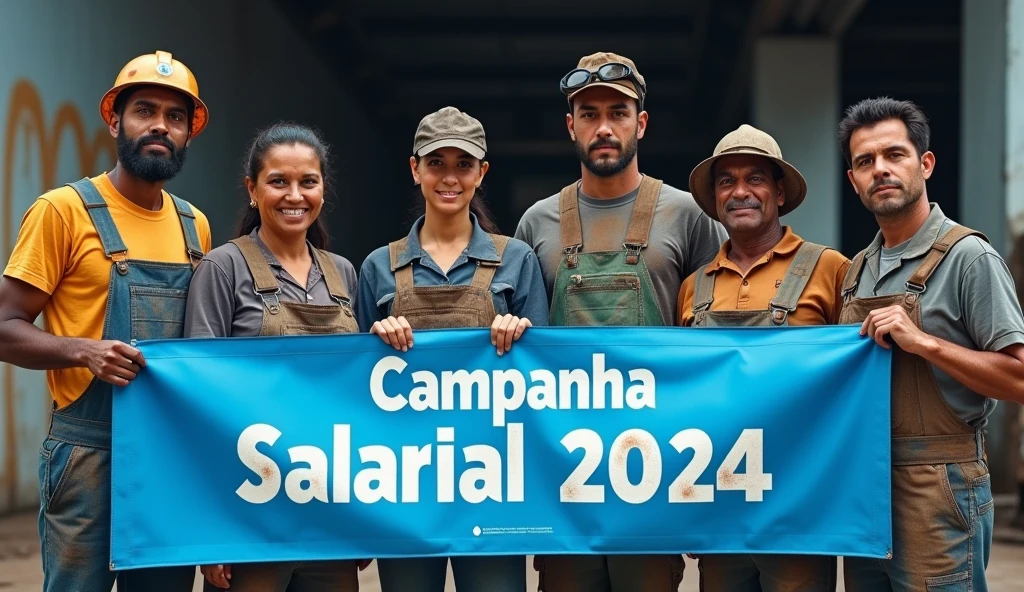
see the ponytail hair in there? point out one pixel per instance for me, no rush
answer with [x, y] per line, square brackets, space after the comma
[286, 134]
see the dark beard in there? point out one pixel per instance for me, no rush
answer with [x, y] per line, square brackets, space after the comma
[895, 208]
[604, 168]
[150, 167]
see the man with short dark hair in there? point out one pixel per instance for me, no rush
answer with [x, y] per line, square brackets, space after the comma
[943, 300]
[107, 260]
[614, 248]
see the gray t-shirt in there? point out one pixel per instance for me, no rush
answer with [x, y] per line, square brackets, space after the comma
[683, 238]
[890, 259]
[222, 302]
[970, 300]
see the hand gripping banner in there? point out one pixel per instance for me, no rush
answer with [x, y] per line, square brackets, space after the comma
[579, 440]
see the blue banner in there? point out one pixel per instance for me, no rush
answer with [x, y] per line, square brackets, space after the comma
[595, 440]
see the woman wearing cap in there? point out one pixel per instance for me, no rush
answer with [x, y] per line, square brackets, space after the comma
[276, 278]
[452, 270]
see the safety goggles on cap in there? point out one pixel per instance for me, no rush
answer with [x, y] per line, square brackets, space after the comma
[580, 77]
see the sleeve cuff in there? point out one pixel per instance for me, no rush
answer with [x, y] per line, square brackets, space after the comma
[1007, 340]
[32, 279]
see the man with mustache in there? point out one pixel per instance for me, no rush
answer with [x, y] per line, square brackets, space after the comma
[107, 260]
[764, 276]
[614, 248]
[944, 301]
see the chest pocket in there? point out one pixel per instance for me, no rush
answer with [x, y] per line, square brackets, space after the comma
[157, 313]
[503, 295]
[604, 299]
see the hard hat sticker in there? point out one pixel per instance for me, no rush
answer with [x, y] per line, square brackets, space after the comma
[164, 69]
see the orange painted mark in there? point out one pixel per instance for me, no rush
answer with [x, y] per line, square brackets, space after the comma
[26, 113]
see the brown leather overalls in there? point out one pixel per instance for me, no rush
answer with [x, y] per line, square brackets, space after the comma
[445, 307]
[928, 438]
[298, 318]
[770, 573]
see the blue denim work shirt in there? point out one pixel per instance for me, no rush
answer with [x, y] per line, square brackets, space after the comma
[517, 287]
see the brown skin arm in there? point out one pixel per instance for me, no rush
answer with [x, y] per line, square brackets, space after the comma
[998, 374]
[25, 345]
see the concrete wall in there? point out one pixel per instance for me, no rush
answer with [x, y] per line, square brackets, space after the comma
[796, 100]
[992, 176]
[60, 56]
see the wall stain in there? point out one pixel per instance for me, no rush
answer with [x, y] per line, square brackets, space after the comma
[25, 114]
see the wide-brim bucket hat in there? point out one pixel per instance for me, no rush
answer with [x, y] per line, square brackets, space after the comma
[746, 139]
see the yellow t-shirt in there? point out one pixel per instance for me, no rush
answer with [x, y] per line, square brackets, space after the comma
[59, 252]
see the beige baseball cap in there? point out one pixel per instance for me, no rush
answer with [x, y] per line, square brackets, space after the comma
[594, 61]
[746, 139]
[452, 128]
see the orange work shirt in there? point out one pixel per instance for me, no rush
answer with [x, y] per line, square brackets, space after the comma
[819, 304]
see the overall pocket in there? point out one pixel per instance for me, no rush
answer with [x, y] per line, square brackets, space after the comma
[55, 459]
[613, 299]
[157, 313]
[958, 582]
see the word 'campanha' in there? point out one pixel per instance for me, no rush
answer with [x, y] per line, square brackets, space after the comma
[502, 391]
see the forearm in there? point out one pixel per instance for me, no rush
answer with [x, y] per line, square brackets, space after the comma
[25, 345]
[992, 374]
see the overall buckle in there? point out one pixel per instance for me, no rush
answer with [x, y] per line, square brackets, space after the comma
[914, 292]
[120, 259]
[572, 255]
[633, 252]
[271, 300]
[778, 313]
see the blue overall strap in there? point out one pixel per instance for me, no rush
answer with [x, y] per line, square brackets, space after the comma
[113, 246]
[188, 227]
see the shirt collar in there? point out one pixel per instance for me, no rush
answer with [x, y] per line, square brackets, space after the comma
[789, 243]
[922, 240]
[271, 259]
[480, 247]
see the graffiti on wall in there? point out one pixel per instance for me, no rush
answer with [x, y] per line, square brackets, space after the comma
[26, 117]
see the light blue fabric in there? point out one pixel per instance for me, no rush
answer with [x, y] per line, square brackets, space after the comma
[221, 435]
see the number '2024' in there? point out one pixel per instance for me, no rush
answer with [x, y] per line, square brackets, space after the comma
[684, 489]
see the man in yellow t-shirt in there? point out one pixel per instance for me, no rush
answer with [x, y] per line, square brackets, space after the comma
[106, 260]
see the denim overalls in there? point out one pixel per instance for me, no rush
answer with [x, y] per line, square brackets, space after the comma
[146, 300]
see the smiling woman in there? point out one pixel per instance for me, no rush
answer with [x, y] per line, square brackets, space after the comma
[277, 278]
[451, 270]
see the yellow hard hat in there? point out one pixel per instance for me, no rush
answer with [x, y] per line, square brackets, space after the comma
[160, 69]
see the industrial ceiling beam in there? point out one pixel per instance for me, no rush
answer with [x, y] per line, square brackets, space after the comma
[837, 16]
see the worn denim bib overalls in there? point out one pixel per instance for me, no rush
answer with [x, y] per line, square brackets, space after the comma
[146, 300]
